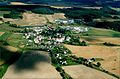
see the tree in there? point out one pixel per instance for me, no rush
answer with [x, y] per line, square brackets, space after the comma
[98, 64]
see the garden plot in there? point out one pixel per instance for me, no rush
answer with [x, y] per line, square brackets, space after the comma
[32, 64]
[83, 72]
[109, 54]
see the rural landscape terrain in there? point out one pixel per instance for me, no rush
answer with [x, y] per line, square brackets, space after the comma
[59, 39]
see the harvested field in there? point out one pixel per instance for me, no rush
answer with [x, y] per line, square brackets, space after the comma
[97, 8]
[60, 7]
[101, 39]
[18, 3]
[32, 64]
[111, 55]
[1, 33]
[83, 72]
[51, 18]
[32, 19]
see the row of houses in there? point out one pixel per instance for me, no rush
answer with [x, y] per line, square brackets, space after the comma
[76, 29]
[69, 21]
[63, 21]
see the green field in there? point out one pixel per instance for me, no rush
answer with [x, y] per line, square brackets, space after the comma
[16, 40]
[4, 12]
[8, 57]
[102, 32]
[6, 27]
[5, 36]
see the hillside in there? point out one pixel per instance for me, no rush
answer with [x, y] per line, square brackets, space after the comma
[114, 3]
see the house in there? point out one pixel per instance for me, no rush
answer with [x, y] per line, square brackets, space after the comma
[67, 21]
[30, 41]
[59, 39]
[64, 62]
[65, 52]
[64, 22]
[36, 40]
[78, 20]
[71, 21]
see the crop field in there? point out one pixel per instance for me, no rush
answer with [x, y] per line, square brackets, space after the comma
[102, 32]
[5, 36]
[8, 28]
[109, 54]
[39, 19]
[4, 12]
[101, 39]
[83, 72]
[16, 40]
[33, 64]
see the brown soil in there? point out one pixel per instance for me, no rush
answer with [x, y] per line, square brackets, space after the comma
[101, 39]
[83, 72]
[32, 19]
[111, 55]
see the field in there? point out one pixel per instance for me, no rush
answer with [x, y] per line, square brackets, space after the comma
[4, 12]
[102, 32]
[83, 72]
[109, 54]
[16, 40]
[4, 36]
[18, 3]
[101, 39]
[32, 64]
[6, 52]
[116, 9]
[8, 28]
[60, 7]
[32, 19]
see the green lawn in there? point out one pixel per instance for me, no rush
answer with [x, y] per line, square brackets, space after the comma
[102, 32]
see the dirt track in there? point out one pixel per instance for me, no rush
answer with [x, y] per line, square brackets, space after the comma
[32, 65]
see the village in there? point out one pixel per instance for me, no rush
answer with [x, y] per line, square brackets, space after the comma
[58, 43]
[52, 39]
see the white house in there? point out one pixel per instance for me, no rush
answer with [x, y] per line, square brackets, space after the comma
[60, 39]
